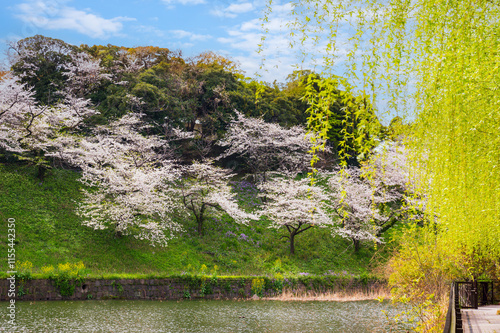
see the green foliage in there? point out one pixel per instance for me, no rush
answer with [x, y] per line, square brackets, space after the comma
[274, 103]
[338, 117]
[20, 291]
[47, 55]
[66, 277]
[277, 266]
[206, 288]
[24, 271]
[258, 285]
[277, 283]
[116, 285]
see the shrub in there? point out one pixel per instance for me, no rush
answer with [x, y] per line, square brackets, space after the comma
[258, 286]
[66, 277]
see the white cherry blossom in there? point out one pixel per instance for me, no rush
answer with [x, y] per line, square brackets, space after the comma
[205, 189]
[266, 146]
[295, 205]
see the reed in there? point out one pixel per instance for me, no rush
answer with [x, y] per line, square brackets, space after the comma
[361, 294]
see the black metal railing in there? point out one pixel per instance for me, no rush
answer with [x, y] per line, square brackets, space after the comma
[486, 293]
[453, 322]
[449, 315]
[468, 295]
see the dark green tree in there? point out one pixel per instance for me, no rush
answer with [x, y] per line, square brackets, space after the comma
[39, 61]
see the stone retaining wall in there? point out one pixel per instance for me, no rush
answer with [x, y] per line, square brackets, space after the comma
[167, 289]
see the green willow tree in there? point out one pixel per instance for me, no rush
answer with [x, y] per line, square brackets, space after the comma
[436, 64]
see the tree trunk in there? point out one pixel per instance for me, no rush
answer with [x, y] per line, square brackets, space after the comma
[357, 244]
[199, 219]
[41, 172]
[292, 243]
[200, 227]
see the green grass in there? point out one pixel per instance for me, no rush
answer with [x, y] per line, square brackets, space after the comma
[48, 232]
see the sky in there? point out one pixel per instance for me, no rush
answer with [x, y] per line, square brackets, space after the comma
[231, 28]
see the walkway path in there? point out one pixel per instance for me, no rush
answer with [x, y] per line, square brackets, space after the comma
[481, 320]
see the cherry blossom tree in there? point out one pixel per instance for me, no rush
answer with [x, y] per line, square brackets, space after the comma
[130, 180]
[205, 190]
[267, 147]
[390, 164]
[16, 106]
[136, 187]
[392, 172]
[355, 202]
[369, 200]
[83, 74]
[295, 205]
[30, 129]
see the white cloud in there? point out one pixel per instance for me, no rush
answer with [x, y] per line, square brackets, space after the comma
[278, 58]
[280, 9]
[57, 16]
[185, 45]
[240, 7]
[246, 36]
[233, 10]
[181, 34]
[254, 24]
[184, 2]
[150, 30]
[277, 68]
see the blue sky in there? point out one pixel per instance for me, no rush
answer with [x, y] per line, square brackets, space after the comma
[229, 27]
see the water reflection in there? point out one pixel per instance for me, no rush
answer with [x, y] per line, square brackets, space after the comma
[201, 316]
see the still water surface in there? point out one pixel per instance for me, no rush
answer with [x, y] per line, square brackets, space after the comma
[200, 316]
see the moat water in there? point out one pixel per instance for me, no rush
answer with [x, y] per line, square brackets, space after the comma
[200, 316]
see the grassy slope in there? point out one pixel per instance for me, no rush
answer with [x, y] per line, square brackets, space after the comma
[49, 232]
